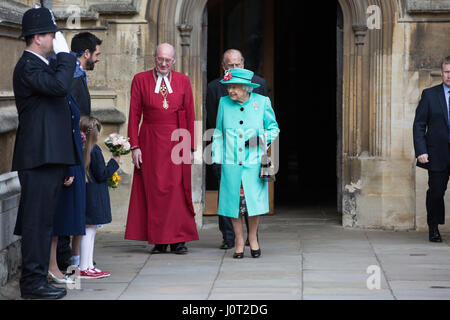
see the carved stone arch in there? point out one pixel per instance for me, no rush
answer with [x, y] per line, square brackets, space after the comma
[366, 89]
[367, 150]
[181, 24]
[366, 68]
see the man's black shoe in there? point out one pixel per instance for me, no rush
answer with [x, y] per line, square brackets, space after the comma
[434, 235]
[178, 248]
[226, 246]
[46, 291]
[159, 248]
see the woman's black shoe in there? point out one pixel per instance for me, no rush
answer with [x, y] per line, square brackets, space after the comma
[159, 248]
[256, 253]
[238, 255]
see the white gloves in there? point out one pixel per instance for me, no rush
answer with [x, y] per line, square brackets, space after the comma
[60, 43]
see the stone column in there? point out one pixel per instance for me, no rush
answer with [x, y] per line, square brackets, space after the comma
[185, 34]
[356, 106]
[10, 258]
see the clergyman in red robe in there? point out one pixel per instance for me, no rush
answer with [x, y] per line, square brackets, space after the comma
[160, 210]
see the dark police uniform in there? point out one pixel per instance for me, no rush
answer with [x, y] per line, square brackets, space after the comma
[43, 148]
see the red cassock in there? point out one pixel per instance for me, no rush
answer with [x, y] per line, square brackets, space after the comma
[160, 209]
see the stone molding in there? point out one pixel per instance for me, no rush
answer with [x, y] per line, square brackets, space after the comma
[8, 119]
[9, 184]
[9, 204]
[11, 13]
[106, 114]
[185, 34]
[122, 7]
[427, 6]
[109, 115]
[8, 112]
[95, 8]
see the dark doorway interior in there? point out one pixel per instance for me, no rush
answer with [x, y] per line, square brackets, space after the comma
[302, 82]
[305, 100]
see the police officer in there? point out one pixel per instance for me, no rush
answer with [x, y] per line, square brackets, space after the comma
[43, 146]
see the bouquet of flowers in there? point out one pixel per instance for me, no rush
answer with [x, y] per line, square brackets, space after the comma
[117, 144]
[114, 181]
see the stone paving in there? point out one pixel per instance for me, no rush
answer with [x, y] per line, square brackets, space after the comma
[306, 254]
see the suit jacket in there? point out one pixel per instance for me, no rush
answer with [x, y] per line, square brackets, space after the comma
[44, 134]
[431, 129]
[80, 92]
[217, 90]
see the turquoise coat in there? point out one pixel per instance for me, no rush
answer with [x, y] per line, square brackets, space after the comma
[235, 124]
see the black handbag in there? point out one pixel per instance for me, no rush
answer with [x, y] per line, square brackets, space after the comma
[267, 171]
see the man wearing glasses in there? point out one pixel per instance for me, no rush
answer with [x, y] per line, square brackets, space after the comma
[160, 210]
[232, 59]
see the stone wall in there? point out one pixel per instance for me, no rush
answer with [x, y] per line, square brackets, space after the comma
[11, 49]
[427, 43]
[386, 70]
[382, 188]
[129, 38]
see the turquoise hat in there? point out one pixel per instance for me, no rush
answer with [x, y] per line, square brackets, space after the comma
[239, 76]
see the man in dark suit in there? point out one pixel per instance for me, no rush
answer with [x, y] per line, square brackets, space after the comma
[432, 147]
[86, 47]
[232, 59]
[43, 146]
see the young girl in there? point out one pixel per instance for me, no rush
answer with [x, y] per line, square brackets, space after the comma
[98, 208]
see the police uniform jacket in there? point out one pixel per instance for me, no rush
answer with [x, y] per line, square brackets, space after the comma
[44, 135]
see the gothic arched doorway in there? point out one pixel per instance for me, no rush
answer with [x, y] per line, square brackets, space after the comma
[301, 72]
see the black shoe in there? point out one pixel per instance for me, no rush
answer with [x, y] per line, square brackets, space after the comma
[159, 248]
[238, 255]
[46, 291]
[178, 248]
[226, 246]
[247, 242]
[434, 235]
[256, 253]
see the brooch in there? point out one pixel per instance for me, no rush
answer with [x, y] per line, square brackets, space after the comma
[255, 105]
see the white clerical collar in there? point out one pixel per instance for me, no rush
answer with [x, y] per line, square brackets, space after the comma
[166, 80]
[39, 56]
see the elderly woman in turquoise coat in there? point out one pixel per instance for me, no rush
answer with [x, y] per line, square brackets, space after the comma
[245, 128]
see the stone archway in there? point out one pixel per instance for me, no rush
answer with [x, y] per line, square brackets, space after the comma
[366, 114]
[366, 96]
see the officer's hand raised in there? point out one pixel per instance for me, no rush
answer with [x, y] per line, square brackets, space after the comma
[60, 43]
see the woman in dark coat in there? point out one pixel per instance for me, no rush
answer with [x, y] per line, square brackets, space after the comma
[69, 219]
[98, 208]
